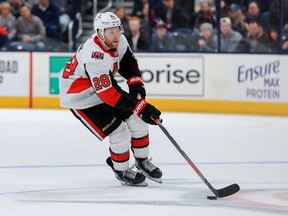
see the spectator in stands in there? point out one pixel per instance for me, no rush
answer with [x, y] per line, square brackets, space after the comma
[206, 41]
[285, 46]
[138, 7]
[7, 20]
[237, 19]
[229, 38]
[284, 39]
[210, 2]
[145, 22]
[30, 3]
[256, 39]
[205, 15]
[284, 14]
[224, 8]
[157, 8]
[264, 5]
[136, 40]
[175, 17]
[189, 6]
[275, 12]
[65, 7]
[241, 3]
[49, 13]
[123, 16]
[146, 14]
[273, 40]
[30, 32]
[15, 7]
[3, 38]
[254, 13]
[162, 40]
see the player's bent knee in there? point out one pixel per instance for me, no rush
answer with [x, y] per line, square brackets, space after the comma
[120, 139]
[137, 126]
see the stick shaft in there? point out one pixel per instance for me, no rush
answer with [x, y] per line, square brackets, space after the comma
[189, 161]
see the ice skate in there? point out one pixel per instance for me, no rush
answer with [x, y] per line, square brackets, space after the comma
[128, 177]
[148, 169]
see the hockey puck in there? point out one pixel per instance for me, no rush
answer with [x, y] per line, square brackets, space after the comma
[211, 197]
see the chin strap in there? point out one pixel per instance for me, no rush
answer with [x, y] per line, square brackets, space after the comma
[100, 36]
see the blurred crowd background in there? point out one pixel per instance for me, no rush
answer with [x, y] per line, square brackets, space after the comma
[238, 26]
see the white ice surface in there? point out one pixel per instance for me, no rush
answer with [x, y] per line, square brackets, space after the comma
[51, 165]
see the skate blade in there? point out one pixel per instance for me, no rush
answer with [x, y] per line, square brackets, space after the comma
[142, 184]
[158, 180]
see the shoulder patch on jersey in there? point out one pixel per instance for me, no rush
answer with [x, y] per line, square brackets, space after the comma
[97, 55]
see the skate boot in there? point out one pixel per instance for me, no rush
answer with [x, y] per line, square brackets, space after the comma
[128, 177]
[148, 169]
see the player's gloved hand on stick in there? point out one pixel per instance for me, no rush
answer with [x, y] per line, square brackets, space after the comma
[136, 87]
[146, 112]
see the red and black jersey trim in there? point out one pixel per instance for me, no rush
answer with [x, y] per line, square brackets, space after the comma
[140, 142]
[88, 123]
[120, 158]
[115, 99]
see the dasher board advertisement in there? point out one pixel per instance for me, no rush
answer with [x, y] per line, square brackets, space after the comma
[170, 75]
[262, 78]
[13, 74]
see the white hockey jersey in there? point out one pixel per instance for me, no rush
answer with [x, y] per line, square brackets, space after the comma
[86, 80]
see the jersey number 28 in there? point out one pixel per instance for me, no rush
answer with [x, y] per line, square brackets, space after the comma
[101, 82]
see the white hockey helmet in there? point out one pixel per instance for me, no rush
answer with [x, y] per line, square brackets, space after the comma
[106, 20]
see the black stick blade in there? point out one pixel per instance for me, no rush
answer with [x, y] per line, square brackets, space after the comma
[227, 191]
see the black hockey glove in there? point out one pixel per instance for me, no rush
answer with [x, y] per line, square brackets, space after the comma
[146, 112]
[136, 87]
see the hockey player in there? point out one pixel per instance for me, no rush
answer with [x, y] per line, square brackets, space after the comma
[88, 88]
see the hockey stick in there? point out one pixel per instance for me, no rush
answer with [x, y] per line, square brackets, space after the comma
[224, 192]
